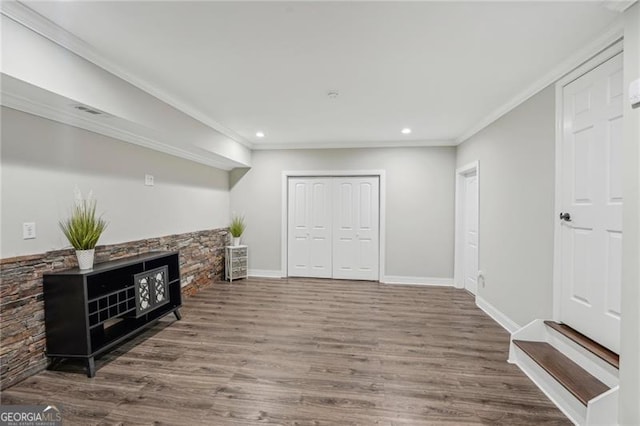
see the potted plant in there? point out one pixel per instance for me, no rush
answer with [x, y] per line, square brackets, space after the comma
[236, 229]
[83, 229]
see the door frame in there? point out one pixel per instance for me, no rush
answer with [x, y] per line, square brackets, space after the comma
[461, 175]
[609, 52]
[380, 174]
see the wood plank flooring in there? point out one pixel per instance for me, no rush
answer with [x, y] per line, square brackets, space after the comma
[304, 352]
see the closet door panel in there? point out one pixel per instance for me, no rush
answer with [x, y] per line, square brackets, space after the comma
[309, 227]
[356, 228]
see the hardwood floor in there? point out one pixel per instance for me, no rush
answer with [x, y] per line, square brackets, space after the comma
[304, 352]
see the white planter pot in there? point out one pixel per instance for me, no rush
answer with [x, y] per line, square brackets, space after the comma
[85, 258]
[236, 241]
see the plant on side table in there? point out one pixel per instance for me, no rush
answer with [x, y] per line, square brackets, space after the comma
[236, 229]
[83, 229]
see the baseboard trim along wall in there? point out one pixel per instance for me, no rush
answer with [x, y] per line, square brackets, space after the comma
[397, 279]
[265, 273]
[506, 322]
[387, 279]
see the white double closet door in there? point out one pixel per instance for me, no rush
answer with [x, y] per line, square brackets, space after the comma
[333, 227]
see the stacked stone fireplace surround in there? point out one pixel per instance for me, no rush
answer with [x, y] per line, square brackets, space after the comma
[22, 330]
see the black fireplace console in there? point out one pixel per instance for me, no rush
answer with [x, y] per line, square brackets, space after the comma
[87, 312]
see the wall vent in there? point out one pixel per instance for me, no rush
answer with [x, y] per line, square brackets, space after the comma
[88, 110]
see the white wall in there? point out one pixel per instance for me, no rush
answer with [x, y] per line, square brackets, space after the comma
[419, 209]
[516, 155]
[630, 330]
[42, 161]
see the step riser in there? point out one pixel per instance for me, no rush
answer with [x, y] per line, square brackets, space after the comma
[594, 365]
[538, 331]
[587, 343]
[562, 398]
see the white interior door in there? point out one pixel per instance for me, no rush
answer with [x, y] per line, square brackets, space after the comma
[591, 194]
[470, 229]
[309, 233]
[355, 228]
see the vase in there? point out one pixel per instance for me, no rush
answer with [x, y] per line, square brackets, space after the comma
[85, 258]
[236, 241]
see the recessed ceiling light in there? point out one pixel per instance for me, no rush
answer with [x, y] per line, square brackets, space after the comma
[260, 134]
[406, 131]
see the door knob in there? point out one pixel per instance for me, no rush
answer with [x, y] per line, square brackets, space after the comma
[565, 216]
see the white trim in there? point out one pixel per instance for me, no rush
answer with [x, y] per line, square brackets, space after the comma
[98, 125]
[619, 5]
[264, 273]
[426, 281]
[461, 173]
[382, 231]
[557, 205]
[603, 409]
[284, 225]
[597, 59]
[381, 174]
[561, 398]
[37, 23]
[353, 144]
[507, 323]
[615, 33]
[585, 67]
[331, 173]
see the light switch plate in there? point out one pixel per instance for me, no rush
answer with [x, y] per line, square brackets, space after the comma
[148, 180]
[28, 230]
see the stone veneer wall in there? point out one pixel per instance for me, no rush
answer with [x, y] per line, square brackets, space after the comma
[22, 329]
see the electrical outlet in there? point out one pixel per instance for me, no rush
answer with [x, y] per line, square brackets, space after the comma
[28, 230]
[148, 180]
[481, 279]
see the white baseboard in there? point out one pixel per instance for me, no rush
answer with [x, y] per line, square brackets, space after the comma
[388, 279]
[265, 273]
[506, 322]
[397, 279]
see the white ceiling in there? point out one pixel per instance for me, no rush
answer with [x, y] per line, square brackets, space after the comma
[439, 68]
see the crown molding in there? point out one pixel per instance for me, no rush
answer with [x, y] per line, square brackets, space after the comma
[37, 23]
[611, 36]
[619, 5]
[97, 125]
[27, 17]
[345, 145]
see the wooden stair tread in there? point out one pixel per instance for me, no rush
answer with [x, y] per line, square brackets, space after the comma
[574, 378]
[594, 347]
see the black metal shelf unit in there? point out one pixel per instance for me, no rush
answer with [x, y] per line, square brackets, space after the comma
[87, 312]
